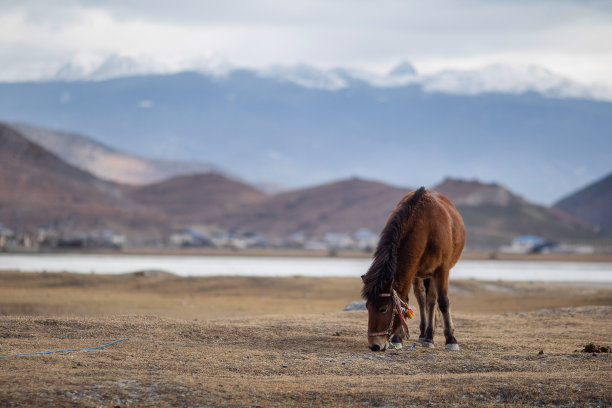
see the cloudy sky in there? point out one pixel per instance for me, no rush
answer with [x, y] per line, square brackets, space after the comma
[571, 38]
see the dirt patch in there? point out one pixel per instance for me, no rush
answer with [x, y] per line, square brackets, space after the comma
[594, 348]
[279, 342]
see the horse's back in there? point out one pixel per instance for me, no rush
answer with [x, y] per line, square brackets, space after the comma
[452, 226]
[440, 233]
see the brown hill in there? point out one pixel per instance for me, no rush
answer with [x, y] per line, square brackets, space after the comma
[194, 199]
[38, 189]
[475, 193]
[494, 216]
[592, 204]
[107, 163]
[344, 206]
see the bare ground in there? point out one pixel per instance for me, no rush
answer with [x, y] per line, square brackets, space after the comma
[280, 342]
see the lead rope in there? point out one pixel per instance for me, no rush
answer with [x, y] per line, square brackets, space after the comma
[64, 350]
[402, 309]
[407, 348]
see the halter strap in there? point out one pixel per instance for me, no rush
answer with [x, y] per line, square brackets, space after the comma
[400, 308]
[385, 333]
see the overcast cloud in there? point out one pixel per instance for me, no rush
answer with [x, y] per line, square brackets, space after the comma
[570, 38]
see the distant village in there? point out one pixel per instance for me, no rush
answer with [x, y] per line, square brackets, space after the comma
[533, 244]
[194, 237]
[208, 237]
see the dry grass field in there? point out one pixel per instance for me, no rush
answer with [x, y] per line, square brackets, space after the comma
[287, 342]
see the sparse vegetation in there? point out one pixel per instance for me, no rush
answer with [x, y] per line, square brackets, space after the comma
[278, 342]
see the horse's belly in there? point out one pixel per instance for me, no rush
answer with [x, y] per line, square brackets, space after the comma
[425, 272]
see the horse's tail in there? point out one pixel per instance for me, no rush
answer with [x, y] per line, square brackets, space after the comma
[380, 275]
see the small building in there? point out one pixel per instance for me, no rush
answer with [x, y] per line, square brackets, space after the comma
[7, 236]
[335, 240]
[523, 244]
[365, 239]
[190, 238]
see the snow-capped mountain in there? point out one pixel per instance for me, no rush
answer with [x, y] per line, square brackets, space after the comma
[93, 68]
[302, 126]
[490, 79]
[514, 79]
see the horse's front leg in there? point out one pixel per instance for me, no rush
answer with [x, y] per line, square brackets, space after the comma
[419, 293]
[430, 303]
[396, 339]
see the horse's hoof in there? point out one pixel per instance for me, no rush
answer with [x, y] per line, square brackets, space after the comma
[427, 344]
[396, 339]
[452, 346]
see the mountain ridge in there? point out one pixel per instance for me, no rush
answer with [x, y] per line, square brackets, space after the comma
[507, 78]
[592, 203]
[106, 162]
[266, 129]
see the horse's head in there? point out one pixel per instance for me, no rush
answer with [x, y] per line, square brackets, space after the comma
[381, 322]
[383, 308]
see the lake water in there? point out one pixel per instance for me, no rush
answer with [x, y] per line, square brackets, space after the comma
[281, 266]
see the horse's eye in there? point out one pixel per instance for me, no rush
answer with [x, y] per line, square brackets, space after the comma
[383, 310]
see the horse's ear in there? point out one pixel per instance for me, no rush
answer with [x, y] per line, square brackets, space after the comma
[362, 278]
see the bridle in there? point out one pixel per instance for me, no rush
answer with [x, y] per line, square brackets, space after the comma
[401, 309]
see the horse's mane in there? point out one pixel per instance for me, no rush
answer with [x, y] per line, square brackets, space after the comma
[382, 271]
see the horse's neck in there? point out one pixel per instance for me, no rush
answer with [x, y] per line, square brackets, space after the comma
[401, 286]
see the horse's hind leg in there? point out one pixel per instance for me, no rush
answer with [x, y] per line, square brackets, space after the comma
[444, 305]
[419, 292]
[430, 302]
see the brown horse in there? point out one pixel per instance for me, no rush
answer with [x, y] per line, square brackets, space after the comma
[422, 240]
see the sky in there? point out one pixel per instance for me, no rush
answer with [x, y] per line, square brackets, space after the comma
[570, 38]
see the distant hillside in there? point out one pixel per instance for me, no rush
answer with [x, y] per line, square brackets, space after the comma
[494, 216]
[107, 163]
[592, 204]
[344, 207]
[193, 199]
[38, 189]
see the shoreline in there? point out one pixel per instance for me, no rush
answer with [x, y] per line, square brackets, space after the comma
[302, 253]
[491, 285]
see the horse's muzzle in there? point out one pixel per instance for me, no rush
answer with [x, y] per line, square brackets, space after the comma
[377, 347]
